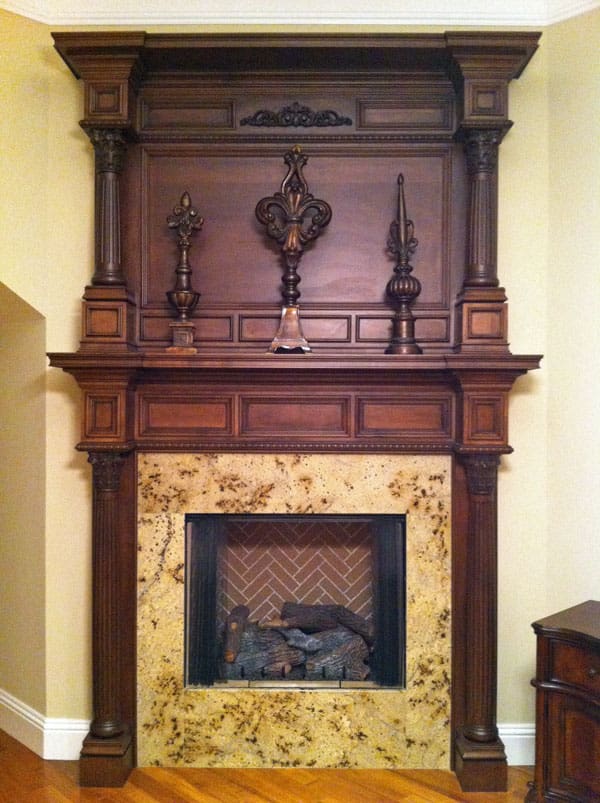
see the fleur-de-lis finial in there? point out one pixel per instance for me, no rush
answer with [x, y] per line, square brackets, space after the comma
[186, 219]
[293, 217]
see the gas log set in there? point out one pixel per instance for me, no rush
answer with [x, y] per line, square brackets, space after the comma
[307, 642]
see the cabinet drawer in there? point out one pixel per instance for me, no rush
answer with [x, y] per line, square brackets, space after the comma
[576, 666]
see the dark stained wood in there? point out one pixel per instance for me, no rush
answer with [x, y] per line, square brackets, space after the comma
[364, 108]
[26, 778]
[567, 681]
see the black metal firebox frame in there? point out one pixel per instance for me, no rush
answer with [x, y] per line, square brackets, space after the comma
[205, 533]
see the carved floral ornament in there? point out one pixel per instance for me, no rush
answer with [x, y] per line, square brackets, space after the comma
[296, 115]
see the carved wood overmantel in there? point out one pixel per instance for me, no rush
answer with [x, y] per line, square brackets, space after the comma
[212, 117]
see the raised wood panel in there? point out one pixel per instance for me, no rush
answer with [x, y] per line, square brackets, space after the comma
[412, 110]
[348, 266]
[415, 417]
[104, 320]
[485, 419]
[218, 328]
[284, 415]
[378, 329]
[104, 416]
[182, 109]
[184, 415]
[316, 329]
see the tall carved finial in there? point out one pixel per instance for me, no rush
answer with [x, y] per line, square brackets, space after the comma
[186, 219]
[403, 288]
[293, 217]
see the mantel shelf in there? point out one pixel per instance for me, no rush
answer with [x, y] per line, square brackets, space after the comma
[276, 364]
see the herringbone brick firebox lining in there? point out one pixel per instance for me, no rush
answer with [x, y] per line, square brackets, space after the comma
[266, 563]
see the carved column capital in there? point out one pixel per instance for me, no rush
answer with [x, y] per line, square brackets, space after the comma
[110, 147]
[482, 473]
[106, 470]
[481, 149]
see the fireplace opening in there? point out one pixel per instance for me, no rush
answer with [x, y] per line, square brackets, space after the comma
[306, 600]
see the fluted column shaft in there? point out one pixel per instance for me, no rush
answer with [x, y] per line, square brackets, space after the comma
[481, 472]
[110, 149]
[107, 720]
[481, 147]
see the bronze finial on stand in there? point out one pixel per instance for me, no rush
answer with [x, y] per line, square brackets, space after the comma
[186, 219]
[286, 216]
[403, 288]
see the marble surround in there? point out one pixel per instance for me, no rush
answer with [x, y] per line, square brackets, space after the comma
[227, 727]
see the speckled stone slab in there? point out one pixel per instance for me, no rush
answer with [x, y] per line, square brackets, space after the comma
[230, 727]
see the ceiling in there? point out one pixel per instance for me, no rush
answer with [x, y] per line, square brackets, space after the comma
[310, 12]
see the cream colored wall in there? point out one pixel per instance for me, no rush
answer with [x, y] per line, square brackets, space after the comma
[573, 550]
[22, 513]
[46, 175]
[538, 499]
[522, 509]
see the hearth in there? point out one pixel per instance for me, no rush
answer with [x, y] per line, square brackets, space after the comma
[309, 600]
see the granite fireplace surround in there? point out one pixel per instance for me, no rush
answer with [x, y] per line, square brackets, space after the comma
[401, 406]
[216, 727]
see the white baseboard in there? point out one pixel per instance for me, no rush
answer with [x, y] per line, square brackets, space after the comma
[61, 738]
[519, 744]
[50, 738]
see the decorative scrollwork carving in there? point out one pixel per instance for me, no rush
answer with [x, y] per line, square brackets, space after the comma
[481, 148]
[482, 473]
[106, 468]
[296, 116]
[110, 147]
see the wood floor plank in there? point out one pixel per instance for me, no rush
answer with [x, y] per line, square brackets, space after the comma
[25, 778]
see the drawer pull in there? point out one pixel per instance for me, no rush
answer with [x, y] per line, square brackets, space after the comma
[593, 672]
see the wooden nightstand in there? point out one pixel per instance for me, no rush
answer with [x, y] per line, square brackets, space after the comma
[567, 755]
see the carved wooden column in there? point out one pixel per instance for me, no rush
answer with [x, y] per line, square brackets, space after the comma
[480, 760]
[108, 307]
[482, 85]
[482, 312]
[110, 148]
[106, 756]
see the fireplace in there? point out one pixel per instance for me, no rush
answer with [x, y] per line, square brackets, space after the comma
[269, 724]
[304, 599]
[390, 397]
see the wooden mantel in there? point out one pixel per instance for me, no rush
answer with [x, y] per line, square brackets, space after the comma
[213, 116]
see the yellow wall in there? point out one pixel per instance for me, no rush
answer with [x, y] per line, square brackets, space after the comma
[46, 175]
[549, 180]
[22, 489]
[573, 550]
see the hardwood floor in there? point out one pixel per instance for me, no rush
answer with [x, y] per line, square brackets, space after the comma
[25, 778]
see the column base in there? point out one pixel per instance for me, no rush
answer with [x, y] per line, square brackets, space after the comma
[480, 767]
[106, 762]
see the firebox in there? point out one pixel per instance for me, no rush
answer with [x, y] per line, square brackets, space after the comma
[314, 600]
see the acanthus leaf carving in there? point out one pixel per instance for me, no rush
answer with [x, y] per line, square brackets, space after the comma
[296, 116]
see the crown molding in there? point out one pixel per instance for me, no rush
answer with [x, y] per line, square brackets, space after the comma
[351, 12]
